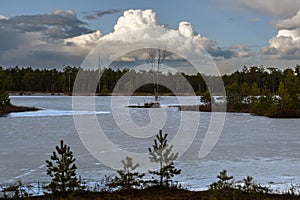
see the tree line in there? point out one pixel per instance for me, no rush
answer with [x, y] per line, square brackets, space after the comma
[263, 91]
[39, 80]
[251, 80]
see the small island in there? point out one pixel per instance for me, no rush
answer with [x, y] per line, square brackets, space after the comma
[12, 108]
[146, 105]
[276, 112]
[6, 107]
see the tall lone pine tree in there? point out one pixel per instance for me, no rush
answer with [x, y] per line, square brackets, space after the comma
[162, 153]
[62, 170]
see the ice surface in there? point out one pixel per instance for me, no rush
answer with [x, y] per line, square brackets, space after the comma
[267, 149]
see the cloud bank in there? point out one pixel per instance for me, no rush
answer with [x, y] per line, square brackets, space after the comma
[38, 40]
[282, 8]
[57, 25]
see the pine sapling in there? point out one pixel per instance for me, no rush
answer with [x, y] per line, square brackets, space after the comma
[62, 170]
[128, 178]
[161, 153]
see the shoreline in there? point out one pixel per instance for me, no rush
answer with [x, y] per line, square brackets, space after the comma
[219, 107]
[27, 93]
[283, 113]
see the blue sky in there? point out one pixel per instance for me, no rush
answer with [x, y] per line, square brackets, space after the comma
[242, 28]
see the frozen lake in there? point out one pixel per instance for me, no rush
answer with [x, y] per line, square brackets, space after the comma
[267, 149]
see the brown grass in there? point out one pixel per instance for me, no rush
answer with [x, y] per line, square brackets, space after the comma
[167, 194]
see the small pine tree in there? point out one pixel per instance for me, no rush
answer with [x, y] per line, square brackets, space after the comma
[251, 187]
[128, 179]
[224, 182]
[161, 153]
[62, 170]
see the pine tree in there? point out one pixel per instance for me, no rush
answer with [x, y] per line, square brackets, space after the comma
[128, 178]
[162, 153]
[4, 97]
[285, 97]
[62, 170]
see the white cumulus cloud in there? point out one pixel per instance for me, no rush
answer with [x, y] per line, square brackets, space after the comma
[85, 40]
[141, 26]
[136, 19]
[286, 44]
[186, 29]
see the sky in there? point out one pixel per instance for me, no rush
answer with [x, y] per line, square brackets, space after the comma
[57, 33]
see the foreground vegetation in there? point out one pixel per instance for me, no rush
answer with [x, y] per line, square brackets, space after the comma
[130, 184]
[224, 189]
[168, 194]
